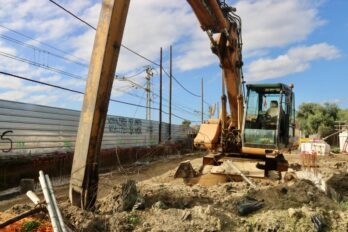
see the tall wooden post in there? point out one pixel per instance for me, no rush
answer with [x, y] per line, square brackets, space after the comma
[160, 102]
[107, 43]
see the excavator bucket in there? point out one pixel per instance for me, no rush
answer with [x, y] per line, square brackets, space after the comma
[208, 135]
[185, 170]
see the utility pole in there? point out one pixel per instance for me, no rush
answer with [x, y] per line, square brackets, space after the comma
[160, 102]
[148, 92]
[170, 92]
[84, 173]
[202, 110]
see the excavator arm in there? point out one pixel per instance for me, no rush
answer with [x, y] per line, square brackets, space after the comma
[223, 28]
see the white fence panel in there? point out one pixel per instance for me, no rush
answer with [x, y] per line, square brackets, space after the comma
[29, 129]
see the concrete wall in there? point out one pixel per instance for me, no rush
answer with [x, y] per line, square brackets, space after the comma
[28, 129]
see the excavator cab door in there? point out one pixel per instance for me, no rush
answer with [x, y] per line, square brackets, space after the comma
[269, 116]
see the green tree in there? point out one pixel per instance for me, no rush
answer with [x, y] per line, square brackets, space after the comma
[186, 123]
[319, 119]
[343, 115]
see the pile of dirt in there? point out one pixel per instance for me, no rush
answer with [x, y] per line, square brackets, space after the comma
[177, 207]
[122, 198]
[162, 203]
[337, 187]
[293, 195]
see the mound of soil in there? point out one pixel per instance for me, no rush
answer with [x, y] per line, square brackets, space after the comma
[337, 187]
[294, 195]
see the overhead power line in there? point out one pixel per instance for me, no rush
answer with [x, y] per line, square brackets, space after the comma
[137, 85]
[72, 14]
[80, 92]
[73, 75]
[43, 43]
[24, 44]
[47, 67]
[85, 63]
[91, 26]
[65, 52]
[63, 88]
[129, 49]
[66, 74]
[182, 86]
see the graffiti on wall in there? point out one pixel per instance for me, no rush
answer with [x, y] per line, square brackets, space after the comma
[8, 140]
[122, 125]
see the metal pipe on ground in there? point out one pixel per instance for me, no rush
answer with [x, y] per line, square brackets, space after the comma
[54, 204]
[33, 197]
[231, 165]
[51, 210]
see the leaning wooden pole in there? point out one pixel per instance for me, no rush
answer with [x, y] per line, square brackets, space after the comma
[107, 43]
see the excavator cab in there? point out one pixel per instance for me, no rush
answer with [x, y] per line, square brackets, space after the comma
[269, 116]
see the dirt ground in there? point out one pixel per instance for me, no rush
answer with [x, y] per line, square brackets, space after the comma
[163, 203]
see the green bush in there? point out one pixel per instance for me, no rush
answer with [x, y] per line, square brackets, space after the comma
[335, 150]
[30, 226]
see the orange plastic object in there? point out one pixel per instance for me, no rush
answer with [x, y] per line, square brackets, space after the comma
[45, 225]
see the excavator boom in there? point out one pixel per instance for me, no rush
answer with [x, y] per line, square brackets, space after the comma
[224, 31]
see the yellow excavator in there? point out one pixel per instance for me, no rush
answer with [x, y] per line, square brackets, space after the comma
[260, 125]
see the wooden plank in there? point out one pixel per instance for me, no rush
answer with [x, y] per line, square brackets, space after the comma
[84, 175]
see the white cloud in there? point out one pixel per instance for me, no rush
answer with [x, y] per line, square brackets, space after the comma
[274, 23]
[196, 53]
[13, 95]
[151, 24]
[295, 60]
[266, 24]
[43, 99]
[19, 90]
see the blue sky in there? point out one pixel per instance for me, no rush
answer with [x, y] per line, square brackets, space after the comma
[291, 41]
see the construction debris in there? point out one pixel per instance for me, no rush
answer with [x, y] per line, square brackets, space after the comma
[318, 222]
[185, 170]
[51, 203]
[155, 201]
[230, 164]
[22, 216]
[248, 205]
[337, 187]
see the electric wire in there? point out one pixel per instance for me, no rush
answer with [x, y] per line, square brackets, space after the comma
[94, 28]
[80, 92]
[67, 73]
[129, 49]
[42, 43]
[24, 44]
[174, 105]
[47, 67]
[60, 50]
